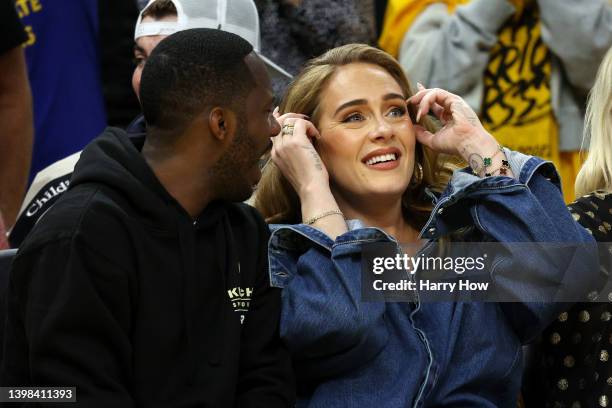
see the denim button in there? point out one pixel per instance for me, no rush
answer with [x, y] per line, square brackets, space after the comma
[440, 211]
[432, 230]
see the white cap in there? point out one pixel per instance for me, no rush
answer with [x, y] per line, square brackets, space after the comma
[235, 16]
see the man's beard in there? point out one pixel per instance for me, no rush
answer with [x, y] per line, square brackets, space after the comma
[231, 168]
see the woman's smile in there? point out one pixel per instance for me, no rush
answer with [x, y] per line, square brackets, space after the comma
[383, 159]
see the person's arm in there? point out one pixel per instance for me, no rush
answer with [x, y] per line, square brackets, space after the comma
[524, 204]
[578, 32]
[559, 265]
[16, 132]
[452, 50]
[266, 375]
[68, 324]
[301, 165]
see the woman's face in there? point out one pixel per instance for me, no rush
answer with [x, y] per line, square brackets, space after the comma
[367, 140]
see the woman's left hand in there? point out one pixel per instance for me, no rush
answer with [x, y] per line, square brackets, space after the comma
[462, 133]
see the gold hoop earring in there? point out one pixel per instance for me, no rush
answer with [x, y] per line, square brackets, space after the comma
[417, 175]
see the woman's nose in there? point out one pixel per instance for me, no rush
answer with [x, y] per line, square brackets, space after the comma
[381, 131]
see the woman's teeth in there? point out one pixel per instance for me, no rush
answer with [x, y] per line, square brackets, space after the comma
[381, 159]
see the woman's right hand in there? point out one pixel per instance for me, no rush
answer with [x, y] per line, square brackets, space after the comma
[295, 156]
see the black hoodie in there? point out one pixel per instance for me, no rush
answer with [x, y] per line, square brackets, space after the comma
[117, 291]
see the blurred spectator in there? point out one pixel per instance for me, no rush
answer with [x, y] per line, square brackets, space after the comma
[15, 118]
[525, 65]
[293, 31]
[573, 367]
[63, 68]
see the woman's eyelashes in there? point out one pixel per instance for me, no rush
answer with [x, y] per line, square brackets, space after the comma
[353, 117]
[397, 112]
[394, 112]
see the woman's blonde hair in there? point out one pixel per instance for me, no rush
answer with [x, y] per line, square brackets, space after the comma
[276, 199]
[596, 172]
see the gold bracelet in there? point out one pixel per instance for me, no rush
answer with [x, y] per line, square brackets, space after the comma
[314, 219]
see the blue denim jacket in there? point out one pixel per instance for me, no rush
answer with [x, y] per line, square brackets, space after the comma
[349, 353]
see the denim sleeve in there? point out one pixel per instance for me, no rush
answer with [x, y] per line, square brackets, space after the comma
[533, 211]
[327, 327]
[528, 208]
[538, 214]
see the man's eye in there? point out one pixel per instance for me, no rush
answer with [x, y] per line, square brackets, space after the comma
[354, 117]
[397, 112]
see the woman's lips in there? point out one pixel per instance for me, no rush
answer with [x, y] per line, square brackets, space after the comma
[389, 165]
[382, 159]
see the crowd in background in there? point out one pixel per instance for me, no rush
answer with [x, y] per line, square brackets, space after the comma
[526, 67]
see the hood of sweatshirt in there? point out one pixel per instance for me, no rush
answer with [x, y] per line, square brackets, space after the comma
[114, 159]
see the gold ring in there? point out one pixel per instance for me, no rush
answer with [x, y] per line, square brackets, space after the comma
[287, 129]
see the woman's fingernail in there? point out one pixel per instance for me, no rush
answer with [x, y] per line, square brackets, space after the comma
[420, 86]
[275, 110]
[418, 116]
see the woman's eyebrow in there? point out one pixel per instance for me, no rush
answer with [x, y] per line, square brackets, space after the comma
[393, 96]
[354, 102]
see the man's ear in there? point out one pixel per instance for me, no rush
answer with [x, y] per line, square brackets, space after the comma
[222, 124]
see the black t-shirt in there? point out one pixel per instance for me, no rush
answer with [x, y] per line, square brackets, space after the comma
[11, 30]
[574, 366]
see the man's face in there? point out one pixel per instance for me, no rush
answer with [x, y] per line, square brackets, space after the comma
[238, 169]
[143, 48]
